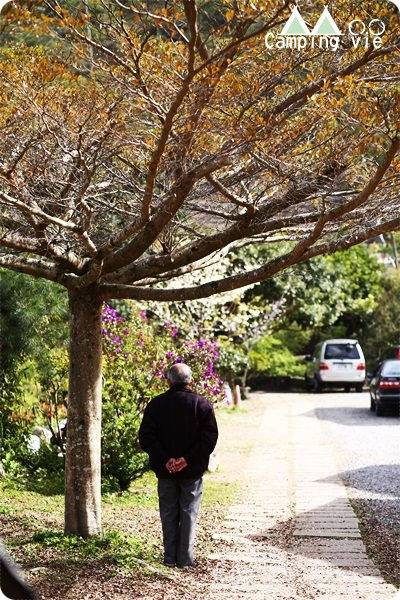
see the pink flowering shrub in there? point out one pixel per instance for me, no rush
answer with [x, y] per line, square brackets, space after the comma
[137, 354]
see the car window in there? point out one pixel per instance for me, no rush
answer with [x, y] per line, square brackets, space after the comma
[341, 351]
[391, 369]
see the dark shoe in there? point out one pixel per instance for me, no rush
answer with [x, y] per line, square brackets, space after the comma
[192, 565]
[168, 564]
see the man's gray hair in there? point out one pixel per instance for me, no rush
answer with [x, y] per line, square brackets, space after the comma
[180, 373]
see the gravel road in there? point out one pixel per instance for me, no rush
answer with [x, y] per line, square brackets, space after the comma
[368, 452]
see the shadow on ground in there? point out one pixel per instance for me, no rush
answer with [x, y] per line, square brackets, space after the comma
[378, 513]
[353, 416]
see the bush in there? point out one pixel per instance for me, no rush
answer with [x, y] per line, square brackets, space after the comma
[272, 358]
[15, 421]
[137, 353]
[382, 330]
[231, 362]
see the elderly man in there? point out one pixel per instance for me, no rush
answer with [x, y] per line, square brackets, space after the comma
[179, 432]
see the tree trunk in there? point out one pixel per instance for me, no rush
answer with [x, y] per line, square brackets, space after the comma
[83, 449]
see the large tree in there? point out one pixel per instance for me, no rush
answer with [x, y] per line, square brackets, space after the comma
[148, 139]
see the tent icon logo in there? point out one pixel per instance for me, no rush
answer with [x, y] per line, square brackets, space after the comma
[296, 25]
[325, 35]
[326, 25]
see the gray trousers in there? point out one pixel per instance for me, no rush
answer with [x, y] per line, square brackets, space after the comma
[179, 502]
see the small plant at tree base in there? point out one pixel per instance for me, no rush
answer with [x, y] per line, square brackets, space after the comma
[114, 546]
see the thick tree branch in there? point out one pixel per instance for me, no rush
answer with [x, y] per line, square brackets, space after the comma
[267, 271]
[246, 227]
[145, 238]
[31, 266]
[169, 117]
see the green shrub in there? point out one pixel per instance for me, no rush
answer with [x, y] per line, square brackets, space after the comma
[15, 421]
[137, 353]
[272, 358]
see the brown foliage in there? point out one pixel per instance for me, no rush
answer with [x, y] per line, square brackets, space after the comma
[145, 142]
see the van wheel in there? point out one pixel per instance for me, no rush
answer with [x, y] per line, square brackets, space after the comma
[372, 404]
[359, 387]
[309, 385]
[380, 411]
[317, 387]
[347, 388]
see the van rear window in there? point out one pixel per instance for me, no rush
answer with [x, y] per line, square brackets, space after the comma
[340, 351]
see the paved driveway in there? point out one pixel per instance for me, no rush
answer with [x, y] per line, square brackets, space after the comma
[368, 451]
[293, 533]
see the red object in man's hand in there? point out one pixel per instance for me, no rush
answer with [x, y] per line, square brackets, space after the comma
[174, 465]
[170, 465]
[180, 464]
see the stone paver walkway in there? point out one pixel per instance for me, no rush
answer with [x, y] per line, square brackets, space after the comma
[293, 533]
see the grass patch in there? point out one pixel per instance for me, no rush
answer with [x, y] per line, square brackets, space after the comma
[219, 492]
[116, 547]
[142, 492]
[231, 410]
[6, 510]
[16, 497]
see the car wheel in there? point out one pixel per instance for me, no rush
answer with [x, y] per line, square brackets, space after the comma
[359, 387]
[347, 388]
[380, 411]
[372, 404]
[317, 386]
[309, 385]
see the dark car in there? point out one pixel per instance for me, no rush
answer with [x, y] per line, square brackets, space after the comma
[385, 387]
[393, 352]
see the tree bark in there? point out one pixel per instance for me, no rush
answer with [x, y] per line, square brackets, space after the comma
[83, 449]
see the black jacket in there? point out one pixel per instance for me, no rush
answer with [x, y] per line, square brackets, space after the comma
[179, 423]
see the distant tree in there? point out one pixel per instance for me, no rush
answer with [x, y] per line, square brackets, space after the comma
[166, 138]
[383, 328]
[14, 326]
[344, 286]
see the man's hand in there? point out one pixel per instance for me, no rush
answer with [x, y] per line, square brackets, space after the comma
[174, 465]
[170, 465]
[180, 464]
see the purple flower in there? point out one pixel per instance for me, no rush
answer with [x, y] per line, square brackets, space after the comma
[143, 314]
[174, 331]
[169, 355]
[178, 360]
[201, 343]
[125, 331]
[110, 315]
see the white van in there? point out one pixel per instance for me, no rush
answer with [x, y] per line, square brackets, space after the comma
[336, 363]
